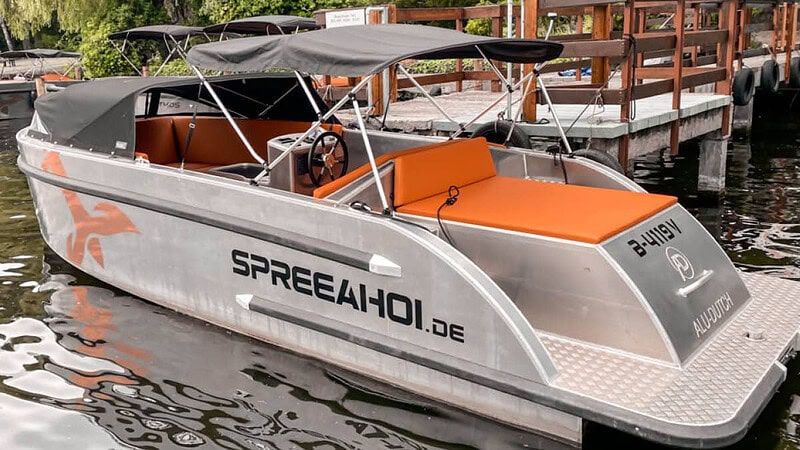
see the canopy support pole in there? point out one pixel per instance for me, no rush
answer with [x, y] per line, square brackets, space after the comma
[464, 127]
[222, 108]
[275, 103]
[506, 81]
[509, 35]
[314, 126]
[308, 94]
[121, 52]
[372, 164]
[549, 102]
[426, 94]
[169, 56]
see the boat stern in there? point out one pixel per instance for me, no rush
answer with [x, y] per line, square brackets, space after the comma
[712, 399]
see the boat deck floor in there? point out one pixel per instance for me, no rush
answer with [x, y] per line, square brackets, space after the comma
[713, 386]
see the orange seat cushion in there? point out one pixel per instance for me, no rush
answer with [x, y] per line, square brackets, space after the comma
[333, 186]
[423, 174]
[155, 138]
[575, 213]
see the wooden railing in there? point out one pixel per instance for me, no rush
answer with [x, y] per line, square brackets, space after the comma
[704, 37]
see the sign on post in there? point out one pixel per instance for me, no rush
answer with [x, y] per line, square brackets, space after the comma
[345, 18]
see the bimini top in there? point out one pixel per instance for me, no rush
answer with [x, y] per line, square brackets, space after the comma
[39, 53]
[362, 50]
[178, 32]
[264, 25]
[105, 107]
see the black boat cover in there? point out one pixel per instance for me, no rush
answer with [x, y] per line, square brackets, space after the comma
[264, 25]
[362, 49]
[99, 115]
[39, 53]
[178, 32]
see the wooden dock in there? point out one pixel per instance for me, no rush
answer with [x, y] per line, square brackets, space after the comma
[648, 101]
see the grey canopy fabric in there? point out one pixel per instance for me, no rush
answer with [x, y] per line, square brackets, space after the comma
[362, 50]
[178, 32]
[264, 25]
[39, 53]
[99, 114]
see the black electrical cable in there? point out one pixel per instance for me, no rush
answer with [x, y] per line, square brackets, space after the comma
[452, 198]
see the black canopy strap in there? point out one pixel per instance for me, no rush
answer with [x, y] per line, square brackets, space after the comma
[192, 126]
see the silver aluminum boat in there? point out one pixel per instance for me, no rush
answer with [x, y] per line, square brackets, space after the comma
[536, 289]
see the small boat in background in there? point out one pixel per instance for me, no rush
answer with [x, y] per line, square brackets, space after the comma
[264, 25]
[18, 69]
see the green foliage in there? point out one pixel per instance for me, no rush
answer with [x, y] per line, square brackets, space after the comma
[100, 59]
[481, 27]
[435, 3]
[176, 67]
[225, 10]
[25, 17]
[438, 66]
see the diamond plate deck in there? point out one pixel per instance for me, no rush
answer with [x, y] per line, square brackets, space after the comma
[713, 386]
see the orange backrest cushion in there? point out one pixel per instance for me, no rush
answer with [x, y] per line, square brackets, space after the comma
[333, 186]
[156, 138]
[424, 174]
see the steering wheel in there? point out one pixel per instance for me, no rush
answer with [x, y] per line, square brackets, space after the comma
[328, 157]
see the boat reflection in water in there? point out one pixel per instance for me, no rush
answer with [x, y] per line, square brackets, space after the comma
[167, 379]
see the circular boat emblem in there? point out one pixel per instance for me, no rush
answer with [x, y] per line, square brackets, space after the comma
[680, 263]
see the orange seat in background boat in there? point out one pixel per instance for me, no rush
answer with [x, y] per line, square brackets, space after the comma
[576, 213]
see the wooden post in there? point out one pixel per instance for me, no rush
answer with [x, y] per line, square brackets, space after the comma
[40, 89]
[601, 30]
[744, 41]
[641, 28]
[78, 72]
[696, 11]
[628, 24]
[775, 29]
[784, 23]
[531, 31]
[376, 85]
[459, 62]
[789, 38]
[497, 31]
[579, 61]
[677, 74]
[726, 55]
[392, 18]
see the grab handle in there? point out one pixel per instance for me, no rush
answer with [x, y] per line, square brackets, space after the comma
[701, 280]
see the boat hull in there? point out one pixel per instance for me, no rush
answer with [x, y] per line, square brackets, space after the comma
[383, 298]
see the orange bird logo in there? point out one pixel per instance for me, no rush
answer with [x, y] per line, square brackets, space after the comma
[109, 221]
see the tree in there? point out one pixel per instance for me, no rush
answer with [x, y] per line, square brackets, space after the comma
[100, 59]
[26, 17]
[225, 10]
[6, 34]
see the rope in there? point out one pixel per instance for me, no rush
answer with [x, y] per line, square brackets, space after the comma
[452, 198]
